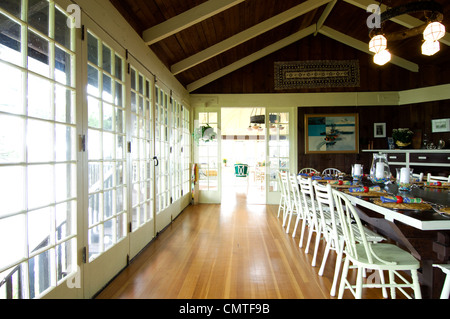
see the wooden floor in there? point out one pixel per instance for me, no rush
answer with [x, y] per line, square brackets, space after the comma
[233, 250]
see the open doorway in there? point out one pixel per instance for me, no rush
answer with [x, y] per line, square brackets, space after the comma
[243, 143]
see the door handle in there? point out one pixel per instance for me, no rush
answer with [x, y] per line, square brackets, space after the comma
[156, 159]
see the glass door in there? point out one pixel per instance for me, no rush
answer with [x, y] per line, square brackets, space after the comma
[207, 154]
[142, 168]
[38, 150]
[107, 158]
[278, 150]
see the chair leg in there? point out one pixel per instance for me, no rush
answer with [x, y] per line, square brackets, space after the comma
[316, 246]
[343, 278]
[296, 225]
[325, 257]
[337, 268]
[383, 283]
[392, 282]
[359, 283]
[310, 232]
[289, 222]
[416, 284]
[302, 234]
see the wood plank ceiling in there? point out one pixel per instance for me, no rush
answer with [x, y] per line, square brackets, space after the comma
[201, 41]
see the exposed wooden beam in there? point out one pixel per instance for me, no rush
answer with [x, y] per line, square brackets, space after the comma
[362, 46]
[405, 20]
[252, 58]
[325, 15]
[248, 34]
[187, 19]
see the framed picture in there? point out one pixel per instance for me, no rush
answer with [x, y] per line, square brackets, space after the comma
[441, 125]
[379, 129]
[331, 133]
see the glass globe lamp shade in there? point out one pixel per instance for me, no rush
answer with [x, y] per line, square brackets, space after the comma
[430, 47]
[377, 44]
[434, 31]
[382, 57]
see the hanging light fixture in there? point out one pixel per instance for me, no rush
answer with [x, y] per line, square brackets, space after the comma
[434, 31]
[378, 43]
[430, 47]
[382, 57]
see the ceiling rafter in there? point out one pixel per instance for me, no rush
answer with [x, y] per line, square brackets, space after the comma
[327, 31]
[362, 46]
[247, 34]
[252, 57]
[325, 15]
[187, 19]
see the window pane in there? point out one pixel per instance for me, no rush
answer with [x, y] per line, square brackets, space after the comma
[66, 220]
[94, 145]
[38, 54]
[39, 229]
[93, 81]
[63, 67]
[40, 186]
[65, 180]
[39, 98]
[12, 139]
[40, 273]
[94, 112]
[10, 39]
[66, 259]
[40, 141]
[107, 89]
[64, 105]
[12, 240]
[95, 247]
[62, 31]
[38, 11]
[65, 147]
[95, 208]
[11, 90]
[106, 59]
[108, 111]
[119, 68]
[12, 6]
[109, 238]
[92, 49]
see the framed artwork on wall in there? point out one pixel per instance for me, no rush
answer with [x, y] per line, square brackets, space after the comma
[331, 133]
[440, 125]
[379, 129]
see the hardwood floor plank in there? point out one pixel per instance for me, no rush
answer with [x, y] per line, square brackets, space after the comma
[229, 251]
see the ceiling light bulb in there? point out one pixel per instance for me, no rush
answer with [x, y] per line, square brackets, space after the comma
[430, 47]
[434, 31]
[378, 43]
[382, 57]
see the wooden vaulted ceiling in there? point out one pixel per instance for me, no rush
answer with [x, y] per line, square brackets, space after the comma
[203, 40]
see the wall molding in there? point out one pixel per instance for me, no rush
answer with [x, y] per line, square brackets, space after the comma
[414, 96]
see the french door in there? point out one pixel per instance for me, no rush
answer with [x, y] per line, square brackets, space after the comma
[207, 153]
[107, 158]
